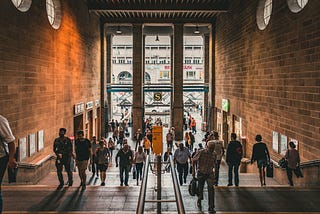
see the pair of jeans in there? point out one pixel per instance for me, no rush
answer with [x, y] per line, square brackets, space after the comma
[210, 179]
[235, 168]
[139, 167]
[124, 169]
[216, 171]
[59, 165]
[183, 171]
[94, 165]
[289, 175]
[3, 167]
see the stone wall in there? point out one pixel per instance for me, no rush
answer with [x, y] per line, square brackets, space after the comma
[271, 77]
[44, 72]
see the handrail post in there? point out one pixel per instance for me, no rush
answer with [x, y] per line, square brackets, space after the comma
[143, 189]
[159, 184]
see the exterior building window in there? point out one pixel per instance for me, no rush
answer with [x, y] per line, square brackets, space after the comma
[121, 60]
[124, 77]
[197, 60]
[264, 11]
[296, 5]
[164, 75]
[191, 74]
[197, 48]
[188, 60]
[22, 5]
[54, 13]
[129, 60]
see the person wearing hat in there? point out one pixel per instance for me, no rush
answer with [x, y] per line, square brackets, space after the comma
[62, 147]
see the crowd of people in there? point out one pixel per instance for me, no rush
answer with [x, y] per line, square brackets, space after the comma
[202, 161]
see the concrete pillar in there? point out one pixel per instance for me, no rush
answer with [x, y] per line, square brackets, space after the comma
[103, 101]
[109, 77]
[206, 41]
[138, 78]
[178, 80]
[212, 113]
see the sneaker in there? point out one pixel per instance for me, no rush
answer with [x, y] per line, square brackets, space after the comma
[121, 184]
[211, 210]
[60, 186]
[83, 187]
[230, 185]
[103, 183]
[199, 203]
[127, 185]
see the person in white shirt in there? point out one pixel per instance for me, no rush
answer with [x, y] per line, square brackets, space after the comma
[219, 150]
[6, 157]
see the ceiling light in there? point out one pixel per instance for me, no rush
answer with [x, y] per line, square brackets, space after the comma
[118, 30]
[196, 30]
[157, 38]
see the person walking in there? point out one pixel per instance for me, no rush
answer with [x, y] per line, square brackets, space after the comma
[260, 154]
[233, 158]
[181, 157]
[126, 157]
[83, 154]
[62, 147]
[139, 159]
[111, 147]
[206, 161]
[94, 165]
[7, 151]
[293, 158]
[169, 139]
[138, 138]
[146, 145]
[219, 150]
[102, 154]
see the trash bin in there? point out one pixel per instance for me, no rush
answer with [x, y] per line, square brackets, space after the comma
[243, 165]
[204, 126]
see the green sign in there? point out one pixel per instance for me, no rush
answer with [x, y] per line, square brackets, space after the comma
[225, 105]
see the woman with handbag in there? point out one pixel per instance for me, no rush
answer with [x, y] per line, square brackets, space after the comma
[293, 158]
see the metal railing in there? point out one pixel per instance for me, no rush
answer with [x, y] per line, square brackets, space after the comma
[143, 189]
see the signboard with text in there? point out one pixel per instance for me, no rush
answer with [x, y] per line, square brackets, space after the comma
[157, 140]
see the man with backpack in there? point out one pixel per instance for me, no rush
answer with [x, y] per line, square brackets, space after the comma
[233, 158]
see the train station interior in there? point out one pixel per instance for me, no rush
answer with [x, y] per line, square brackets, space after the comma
[244, 67]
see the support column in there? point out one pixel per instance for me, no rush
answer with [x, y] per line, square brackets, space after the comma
[104, 105]
[212, 113]
[138, 77]
[108, 78]
[205, 106]
[178, 80]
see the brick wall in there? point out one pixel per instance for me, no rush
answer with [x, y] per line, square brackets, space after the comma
[272, 77]
[44, 71]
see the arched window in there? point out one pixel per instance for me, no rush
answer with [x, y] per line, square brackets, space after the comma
[147, 77]
[54, 13]
[124, 77]
[22, 5]
[296, 5]
[264, 11]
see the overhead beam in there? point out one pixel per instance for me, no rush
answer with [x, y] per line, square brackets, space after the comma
[218, 6]
[156, 20]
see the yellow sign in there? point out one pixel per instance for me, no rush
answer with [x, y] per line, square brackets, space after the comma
[157, 140]
[157, 96]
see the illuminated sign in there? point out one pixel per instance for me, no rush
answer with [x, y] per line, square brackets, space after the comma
[225, 105]
[157, 96]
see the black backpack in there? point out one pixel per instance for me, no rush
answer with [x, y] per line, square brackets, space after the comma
[193, 187]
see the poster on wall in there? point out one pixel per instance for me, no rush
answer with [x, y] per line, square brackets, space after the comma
[32, 144]
[283, 144]
[22, 148]
[40, 140]
[275, 141]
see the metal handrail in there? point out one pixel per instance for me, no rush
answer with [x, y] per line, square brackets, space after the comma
[176, 187]
[143, 189]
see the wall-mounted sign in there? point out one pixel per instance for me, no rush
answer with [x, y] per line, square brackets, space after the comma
[32, 144]
[157, 96]
[97, 102]
[22, 148]
[225, 105]
[89, 105]
[78, 108]
[40, 140]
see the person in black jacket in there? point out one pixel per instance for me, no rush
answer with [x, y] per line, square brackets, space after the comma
[260, 154]
[126, 157]
[62, 147]
[233, 158]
